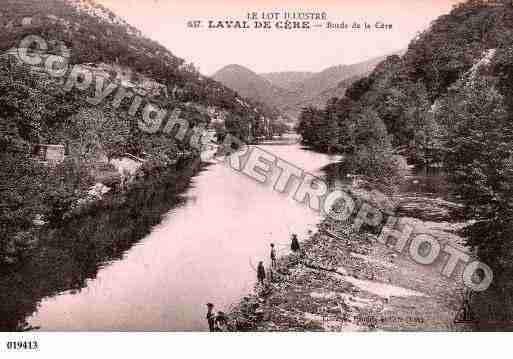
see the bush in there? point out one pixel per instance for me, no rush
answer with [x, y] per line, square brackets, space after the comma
[67, 184]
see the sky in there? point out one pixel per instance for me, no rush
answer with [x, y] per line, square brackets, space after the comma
[279, 50]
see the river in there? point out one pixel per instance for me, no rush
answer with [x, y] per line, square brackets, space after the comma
[204, 250]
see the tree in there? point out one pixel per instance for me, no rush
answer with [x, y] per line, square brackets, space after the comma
[309, 124]
[478, 138]
[373, 150]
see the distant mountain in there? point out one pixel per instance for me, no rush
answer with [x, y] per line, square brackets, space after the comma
[339, 91]
[332, 76]
[318, 88]
[289, 91]
[289, 79]
[249, 84]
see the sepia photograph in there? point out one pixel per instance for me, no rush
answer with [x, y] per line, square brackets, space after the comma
[183, 167]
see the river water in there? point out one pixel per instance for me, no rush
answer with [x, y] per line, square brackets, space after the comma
[204, 250]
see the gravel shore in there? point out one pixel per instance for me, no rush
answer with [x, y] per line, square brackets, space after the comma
[351, 282]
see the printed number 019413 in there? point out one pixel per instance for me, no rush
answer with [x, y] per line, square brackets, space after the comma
[22, 345]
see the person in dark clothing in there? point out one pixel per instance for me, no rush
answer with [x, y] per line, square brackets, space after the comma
[295, 244]
[273, 256]
[211, 317]
[221, 322]
[468, 315]
[261, 273]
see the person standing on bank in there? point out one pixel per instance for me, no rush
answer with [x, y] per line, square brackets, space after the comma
[273, 256]
[211, 317]
[261, 272]
[221, 322]
[294, 245]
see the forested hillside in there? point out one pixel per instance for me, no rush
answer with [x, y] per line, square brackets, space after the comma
[446, 102]
[331, 77]
[406, 92]
[96, 35]
[37, 109]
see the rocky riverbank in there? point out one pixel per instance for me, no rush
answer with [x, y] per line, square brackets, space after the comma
[351, 282]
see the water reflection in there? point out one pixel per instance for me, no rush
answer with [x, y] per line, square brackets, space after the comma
[70, 257]
[200, 251]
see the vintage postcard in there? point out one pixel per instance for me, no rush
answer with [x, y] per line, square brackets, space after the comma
[255, 166]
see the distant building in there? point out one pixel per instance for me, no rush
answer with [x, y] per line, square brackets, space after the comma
[26, 21]
[50, 153]
[127, 165]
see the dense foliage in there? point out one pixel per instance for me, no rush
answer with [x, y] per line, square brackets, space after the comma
[35, 109]
[448, 101]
